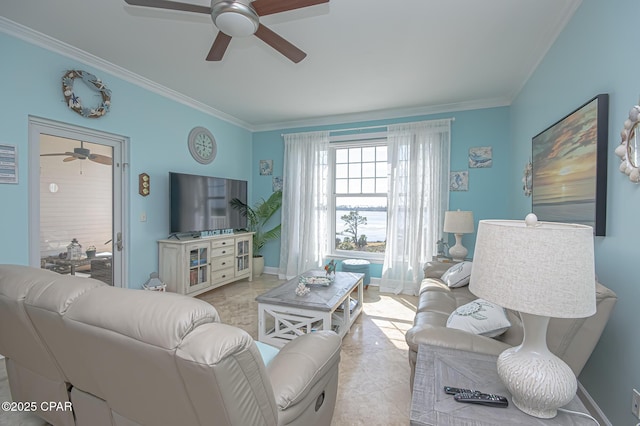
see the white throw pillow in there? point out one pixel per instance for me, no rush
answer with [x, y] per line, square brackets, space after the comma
[480, 317]
[458, 275]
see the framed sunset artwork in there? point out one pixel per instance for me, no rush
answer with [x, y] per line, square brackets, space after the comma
[570, 167]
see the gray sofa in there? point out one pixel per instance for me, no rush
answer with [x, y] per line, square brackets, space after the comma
[572, 340]
[113, 356]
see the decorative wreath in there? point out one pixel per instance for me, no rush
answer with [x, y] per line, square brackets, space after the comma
[626, 150]
[74, 101]
[527, 179]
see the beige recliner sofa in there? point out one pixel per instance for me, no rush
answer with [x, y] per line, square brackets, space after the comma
[131, 357]
[572, 340]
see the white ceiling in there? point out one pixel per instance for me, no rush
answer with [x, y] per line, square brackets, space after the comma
[366, 59]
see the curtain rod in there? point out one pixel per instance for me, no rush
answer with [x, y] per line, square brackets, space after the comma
[382, 126]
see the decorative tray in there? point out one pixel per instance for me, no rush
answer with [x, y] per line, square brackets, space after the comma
[316, 280]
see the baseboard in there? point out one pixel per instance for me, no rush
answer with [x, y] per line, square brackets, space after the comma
[591, 406]
[270, 270]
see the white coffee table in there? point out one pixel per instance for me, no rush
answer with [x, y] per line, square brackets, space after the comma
[283, 315]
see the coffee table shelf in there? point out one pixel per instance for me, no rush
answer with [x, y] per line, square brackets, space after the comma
[283, 315]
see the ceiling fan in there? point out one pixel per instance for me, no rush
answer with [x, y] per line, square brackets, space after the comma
[82, 153]
[240, 18]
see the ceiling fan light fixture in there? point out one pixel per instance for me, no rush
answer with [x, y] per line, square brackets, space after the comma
[234, 18]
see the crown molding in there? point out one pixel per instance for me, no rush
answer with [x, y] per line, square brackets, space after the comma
[49, 43]
[386, 114]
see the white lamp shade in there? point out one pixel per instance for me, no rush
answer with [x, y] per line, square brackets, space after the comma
[544, 269]
[458, 222]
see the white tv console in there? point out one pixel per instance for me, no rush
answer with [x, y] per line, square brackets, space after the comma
[196, 265]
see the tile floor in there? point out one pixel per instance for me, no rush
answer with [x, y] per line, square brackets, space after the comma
[373, 386]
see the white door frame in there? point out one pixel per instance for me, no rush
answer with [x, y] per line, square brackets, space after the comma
[120, 145]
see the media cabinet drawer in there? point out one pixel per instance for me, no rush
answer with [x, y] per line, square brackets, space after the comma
[222, 275]
[222, 252]
[222, 262]
[226, 242]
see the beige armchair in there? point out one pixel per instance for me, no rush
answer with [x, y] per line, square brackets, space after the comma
[132, 357]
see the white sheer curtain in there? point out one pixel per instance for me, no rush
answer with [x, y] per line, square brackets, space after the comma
[304, 203]
[418, 197]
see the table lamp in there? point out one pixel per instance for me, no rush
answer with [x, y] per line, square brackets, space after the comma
[542, 270]
[458, 223]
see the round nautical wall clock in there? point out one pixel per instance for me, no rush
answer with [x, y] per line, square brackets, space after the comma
[202, 145]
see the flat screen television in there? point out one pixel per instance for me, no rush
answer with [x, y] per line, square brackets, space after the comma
[201, 203]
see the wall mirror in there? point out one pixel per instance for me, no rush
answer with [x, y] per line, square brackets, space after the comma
[629, 148]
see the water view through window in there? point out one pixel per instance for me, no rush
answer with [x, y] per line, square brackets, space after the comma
[361, 198]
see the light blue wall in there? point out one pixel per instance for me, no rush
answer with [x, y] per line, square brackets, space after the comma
[30, 83]
[596, 53]
[488, 187]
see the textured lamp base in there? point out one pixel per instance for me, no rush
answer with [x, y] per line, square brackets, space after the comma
[538, 381]
[458, 252]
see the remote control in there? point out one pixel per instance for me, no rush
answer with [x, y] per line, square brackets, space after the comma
[452, 391]
[483, 399]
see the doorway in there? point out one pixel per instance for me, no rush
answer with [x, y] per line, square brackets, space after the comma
[77, 201]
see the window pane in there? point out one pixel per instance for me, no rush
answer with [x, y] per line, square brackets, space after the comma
[361, 223]
[341, 186]
[382, 169]
[342, 155]
[355, 170]
[381, 186]
[342, 171]
[368, 186]
[355, 155]
[354, 186]
[369, 153]
[381, 153]
[368, 169]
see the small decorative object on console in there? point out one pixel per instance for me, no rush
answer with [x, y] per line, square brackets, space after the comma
[91, 252]
[74, 250]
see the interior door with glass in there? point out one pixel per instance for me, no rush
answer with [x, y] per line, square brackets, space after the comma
[78, 192]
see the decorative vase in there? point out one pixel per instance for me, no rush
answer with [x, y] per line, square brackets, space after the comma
[258, 266]
[90, 254]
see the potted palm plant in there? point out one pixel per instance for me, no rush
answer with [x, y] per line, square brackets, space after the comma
[257, 218]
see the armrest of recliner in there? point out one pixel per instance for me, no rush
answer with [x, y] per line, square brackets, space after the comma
[301, 363]
[454, 339]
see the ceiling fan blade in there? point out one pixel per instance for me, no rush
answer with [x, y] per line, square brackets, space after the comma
[268, 7]
[218, 47]
[102, 159]
[66, 160]
[59, 153]
[172, 5]
[281, 45]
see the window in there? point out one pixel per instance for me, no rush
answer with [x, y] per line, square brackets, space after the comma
[360, 198]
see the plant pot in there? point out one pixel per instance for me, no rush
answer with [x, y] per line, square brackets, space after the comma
[258, 266]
